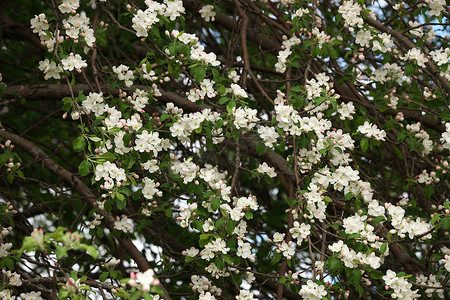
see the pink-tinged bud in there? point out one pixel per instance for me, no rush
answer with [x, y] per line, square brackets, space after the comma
[132, 282]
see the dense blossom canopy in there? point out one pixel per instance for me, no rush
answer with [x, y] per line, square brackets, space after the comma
[237, 149]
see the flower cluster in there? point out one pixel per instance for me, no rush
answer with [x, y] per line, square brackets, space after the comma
[313, 291]
[269, 135]
[245, 117]
[203, 286]
[77, 26]
[434, 286]
[207, 13]
[150, 142]
[445, 139]
[144, 279]
[124, 74]
[417, 56]
[112, 175]
[188, 123]
[12, 278]
[69, 6]
[300, 231]
[95, 103]
[400, 286]
[346, 110]
[265, 169]
[50, 69]
[404, 225]
[73, 61]
[123, 224]
[371, 130]
[241, 206]
[206, 90]
[351, 258]
[284, 54]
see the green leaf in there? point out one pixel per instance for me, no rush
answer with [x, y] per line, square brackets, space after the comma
[334, 265]
[10, 178]
[215, 203]
[230, 226]
[223, 100]
[227, 259]
[67, 103]
[164, 117]
[377, 220]
[413, 144]
[199, 73]
[79, 143]
[428, 191]
[364, 144]
[100, 39]
[8, 262]
[94, 138]
[173, 49]
[91, 250]
[169, 213]
[376, 275]
[216, 75]
[409, 69]
[60, 251]
[282, 280]
[383, 247]
[230, 106]
[334, 53]
[125, 191]
[219, 124]
[116, 274]
[445, 223]
[349, 196]
[121, 203]
[114, 130]
[397, 152]
[107, 156]
[219, 263]
[219, 223]
[204, 238]
[100, 232]
[221, 89]
[103, 276]
[275, 259]
[260, 148]
[315, 52]
[401, 136]
[131, 163]
[20, 175]
[355, 276]
[84, 168]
